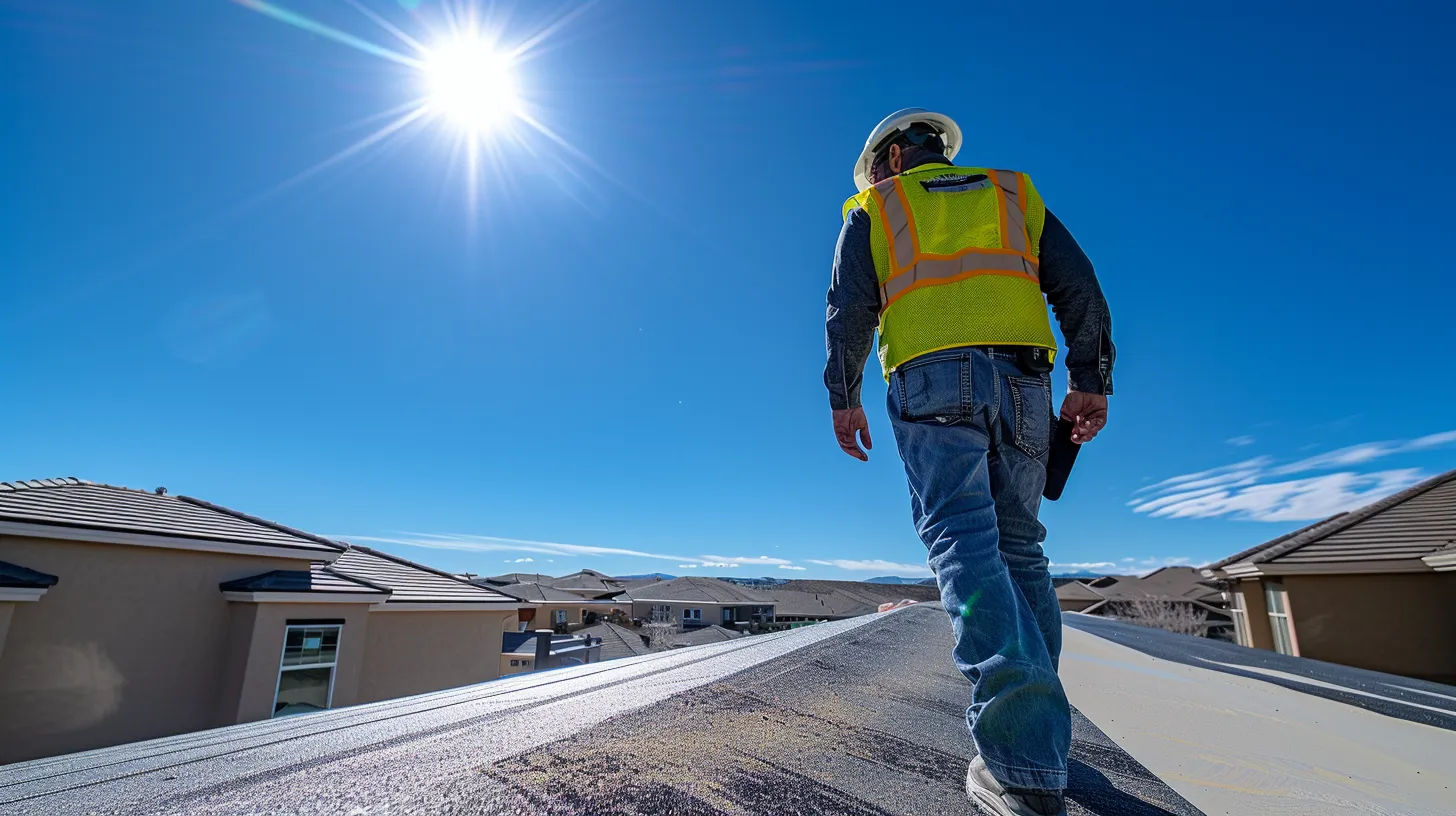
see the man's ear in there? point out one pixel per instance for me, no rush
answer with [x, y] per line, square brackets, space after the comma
[895, 161]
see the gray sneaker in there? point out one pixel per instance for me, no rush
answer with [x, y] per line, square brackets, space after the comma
[995, 800]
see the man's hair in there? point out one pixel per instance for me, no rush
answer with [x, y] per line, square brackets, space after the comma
[931, 143]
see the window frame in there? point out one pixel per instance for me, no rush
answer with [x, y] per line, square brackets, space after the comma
[333, 667]
[692, 614]
[560, 616]
[1281, 622]
[1239, 611]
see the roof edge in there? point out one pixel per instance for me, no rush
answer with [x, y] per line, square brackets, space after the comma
[217, 508]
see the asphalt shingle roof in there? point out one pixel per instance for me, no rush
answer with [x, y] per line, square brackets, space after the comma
[1411, 524]
[15, 576]
[842, 599]
[317, 579]
[409, 582]
[705, 635]
[1078, 591]
[702, 590]
[75, 503]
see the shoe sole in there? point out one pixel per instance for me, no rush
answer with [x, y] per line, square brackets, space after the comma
[989, 803]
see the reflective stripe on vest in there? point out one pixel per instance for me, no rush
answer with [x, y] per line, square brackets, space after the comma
[910, 269]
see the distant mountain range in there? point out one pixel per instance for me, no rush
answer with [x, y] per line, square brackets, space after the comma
[895, 579]
[659, 575]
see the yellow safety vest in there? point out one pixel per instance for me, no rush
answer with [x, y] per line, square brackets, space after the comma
[956, 251]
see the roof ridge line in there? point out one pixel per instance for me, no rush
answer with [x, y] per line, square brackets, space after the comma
[356, 579]
[402, 560]
[1350, 518]
[203, 503]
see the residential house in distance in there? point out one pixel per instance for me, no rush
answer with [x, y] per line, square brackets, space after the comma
[546, 607]
[127, 615]
[809, 601]
[1076, 596]
[1373, 588]
[696, 602]
[1112, 596]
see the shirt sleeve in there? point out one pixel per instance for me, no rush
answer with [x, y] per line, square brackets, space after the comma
[853, 312]
[1071, 287]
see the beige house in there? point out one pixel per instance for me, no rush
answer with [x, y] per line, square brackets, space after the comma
[1373, 588]
[128, 615]
[697, 602]
[546, 607]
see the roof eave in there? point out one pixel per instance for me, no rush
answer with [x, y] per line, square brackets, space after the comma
[1444, 561]
[99, 535]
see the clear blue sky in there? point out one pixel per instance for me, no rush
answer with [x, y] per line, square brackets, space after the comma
[622, 349]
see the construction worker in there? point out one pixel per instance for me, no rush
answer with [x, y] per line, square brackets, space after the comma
[952, 265]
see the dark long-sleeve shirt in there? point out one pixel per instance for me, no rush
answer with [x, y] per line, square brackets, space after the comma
[1067, 280]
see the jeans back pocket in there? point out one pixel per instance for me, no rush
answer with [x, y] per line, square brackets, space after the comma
[942, 389]
[1031, 399]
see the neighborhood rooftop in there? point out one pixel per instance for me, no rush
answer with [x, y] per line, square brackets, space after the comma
[1410, 525]
[541, 593]
[411, 583]
[695, 589]
[56, 505]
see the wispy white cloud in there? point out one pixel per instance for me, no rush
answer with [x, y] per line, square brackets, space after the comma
[1213, 476]
[1084, 565]
[1241, 441]
[790, 567]
[519, 560]
[480, 543]
[876, 565]
[1305, 499]
[1259, 489]
[1434, 440]
[752, 559]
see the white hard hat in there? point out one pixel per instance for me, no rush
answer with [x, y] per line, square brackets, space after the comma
[898, 122]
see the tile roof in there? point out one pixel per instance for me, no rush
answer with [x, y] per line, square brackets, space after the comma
[617, 641]
[319, 579]
[409, 582]
[1183, 583]
[518, 578]
[1413, 523]
[538, 593]
[589, 580]
[75, 503]
[702, 590]
[16, 576]
[1078, 591]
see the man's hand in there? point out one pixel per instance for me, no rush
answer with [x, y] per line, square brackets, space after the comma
[1088, 411]
[846, 424]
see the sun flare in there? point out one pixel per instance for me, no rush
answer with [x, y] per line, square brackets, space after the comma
[472, 84]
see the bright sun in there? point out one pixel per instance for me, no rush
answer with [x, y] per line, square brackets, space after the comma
[472, 84]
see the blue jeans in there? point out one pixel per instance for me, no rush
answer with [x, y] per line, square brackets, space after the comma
[974, 431]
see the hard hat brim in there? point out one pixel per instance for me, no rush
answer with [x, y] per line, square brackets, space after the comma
[950, 133]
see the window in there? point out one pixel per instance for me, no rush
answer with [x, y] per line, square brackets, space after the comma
[692, 615]
[1240, 614]
[306, 672]
[729, 615]
[560, 616]
[515, 662]
[1279, 620]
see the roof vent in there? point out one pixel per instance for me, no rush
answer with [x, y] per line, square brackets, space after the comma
[161, 491]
